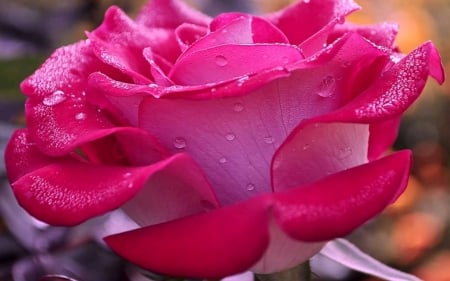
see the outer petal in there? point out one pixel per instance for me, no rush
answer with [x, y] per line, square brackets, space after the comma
[66, 70]
[382, 137]
[396, 89]
[343, 252]
[202, 246]
[380, 105]
[22, 156]
[62, 194]
[170, 14]
[336, 205]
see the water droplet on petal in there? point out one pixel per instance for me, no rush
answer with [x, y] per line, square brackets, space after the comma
[80, 116]
[242, 80]
[230, 136]
[327, 87]
[221, 60]
[179, 143]
[306, 146]
[238, 107]
[55, 98]
[127, 175]
[269, 139]
[250, 186]
[222, 160]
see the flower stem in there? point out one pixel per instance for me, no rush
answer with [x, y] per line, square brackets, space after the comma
[301, 272]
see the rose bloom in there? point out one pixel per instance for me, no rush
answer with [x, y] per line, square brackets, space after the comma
[235, 143]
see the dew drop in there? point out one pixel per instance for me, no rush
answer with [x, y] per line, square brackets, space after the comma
[327, 86]
[55, 98]
[230, 136]
[223, 160]
[238, 107]
[179, 143]
[80, 116]
[242, 80]
[306, 146]
[221, 60]
[127, 175]
[269, 139]
[250, 186]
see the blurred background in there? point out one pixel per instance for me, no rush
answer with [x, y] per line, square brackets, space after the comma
[412, 235]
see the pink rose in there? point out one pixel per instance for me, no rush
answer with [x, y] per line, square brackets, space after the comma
[237, 143]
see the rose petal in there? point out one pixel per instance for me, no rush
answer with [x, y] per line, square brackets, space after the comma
[382, 34]
[284, 252]
[63, 194]
[337, 204]
[245, 276]
[318, 150]
[159, 76]
[66, 72]
[170, 14]
[119, 42]
[396, 88]
[187, 34]
[300, 21]
[22, 156]
[345, 253]
[224, 62]
[236, 29]
[200, 246]
[177, 191]
[382, 137]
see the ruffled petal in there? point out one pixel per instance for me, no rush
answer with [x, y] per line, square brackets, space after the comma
[188, 33]
[345, 253]
[63, 194]
[59, 123]
[65, 73]
[119, 42]
[300, 21]
[170, 14]
[337, 204]
[22, 155]
[200, 246]
[396, 89]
